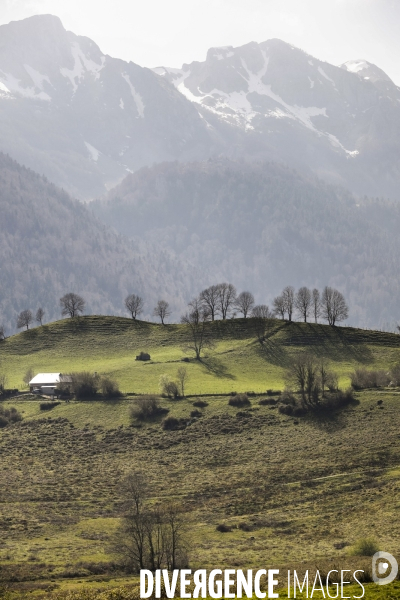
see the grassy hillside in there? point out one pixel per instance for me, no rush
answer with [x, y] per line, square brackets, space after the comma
[297, 492]
[110, 345]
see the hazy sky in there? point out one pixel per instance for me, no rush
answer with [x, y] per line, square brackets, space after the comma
[171, 32]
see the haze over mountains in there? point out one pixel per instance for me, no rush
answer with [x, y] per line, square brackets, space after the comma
[85, 119]
[203, 161]
[51, 245]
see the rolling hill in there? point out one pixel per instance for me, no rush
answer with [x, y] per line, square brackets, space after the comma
[291, 492]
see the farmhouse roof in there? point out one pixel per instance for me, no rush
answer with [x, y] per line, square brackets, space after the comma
[49, 378]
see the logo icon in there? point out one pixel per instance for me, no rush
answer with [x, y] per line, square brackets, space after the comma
[384, 568]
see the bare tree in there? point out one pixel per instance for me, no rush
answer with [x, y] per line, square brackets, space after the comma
[334, 307]
[25, 318]
[303, 372]
[182, 377]
[134, 305]
[226, 298]
[262, 311]
[288, 299]
[279, 306]
[30, 373]
[39, 315]
[316, 304]
[150, 536]
[72, 305]
[162, 310]
[209, 298]
[303, 302]
[2, 332]
[199, 336]
[245, 302]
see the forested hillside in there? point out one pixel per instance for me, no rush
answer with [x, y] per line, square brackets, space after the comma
[263, 226]
[50, 245]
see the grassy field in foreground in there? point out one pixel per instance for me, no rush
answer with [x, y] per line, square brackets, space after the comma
[109, 345]
[295, 492]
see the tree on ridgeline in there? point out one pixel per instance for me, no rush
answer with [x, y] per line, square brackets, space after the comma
[134, 304]
[2, 332]
[226, 299]
[261, 321]
[39, 315]
[162, 311]
[199, 335]
[316, 304]
[288, 299]
[303, 302]
[209, 298]
[72, 305]
[25, 318]
[262, 311]
[334, 307]
[244, 303]
[279, 306]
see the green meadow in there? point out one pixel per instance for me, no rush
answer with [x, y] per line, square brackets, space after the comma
[109, 345]
[293, 492]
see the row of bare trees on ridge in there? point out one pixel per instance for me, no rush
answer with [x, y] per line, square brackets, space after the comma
[221, 300]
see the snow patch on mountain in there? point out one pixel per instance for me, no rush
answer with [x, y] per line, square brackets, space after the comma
[37, 77]
[93, 152]
[322, 72]
[355, 66]
[12, 84]
[82, 65]
[136, 96]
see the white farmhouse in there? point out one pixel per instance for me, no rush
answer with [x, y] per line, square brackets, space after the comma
[46, 383]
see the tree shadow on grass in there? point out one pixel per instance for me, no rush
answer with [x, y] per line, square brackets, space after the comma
[274, 353]
[216, 368]
[328, 419]
[330, 342]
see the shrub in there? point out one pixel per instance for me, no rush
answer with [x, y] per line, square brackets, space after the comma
[8, 416]
[147, 407]
[200, 403]
[222, 528]
[196, 413]
[395, 375]
[143, 356]
[109, 387]
[339, 399]
[170, 423]
[168, 387]
[365, 547]
[84, 385]
[286, 409]
[239, 400]
[362, 378]
[274, 393]
[48, 405]
[267, 401]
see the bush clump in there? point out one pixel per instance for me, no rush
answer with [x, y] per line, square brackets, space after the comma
[48, 405]
[267, 401]
[147, 407]
[171, 423]
[84, 385]
[239, 400]
[362, 379]
[365, 547]
[109, 388]
[200, 403]
[8, 416]
[195, 414]
[222, 528]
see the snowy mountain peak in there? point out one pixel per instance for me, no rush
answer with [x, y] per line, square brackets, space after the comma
[366, 70]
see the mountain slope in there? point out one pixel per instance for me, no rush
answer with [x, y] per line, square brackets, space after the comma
[264, 226]
[51, 245]
[84, 118]
[342, 122]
